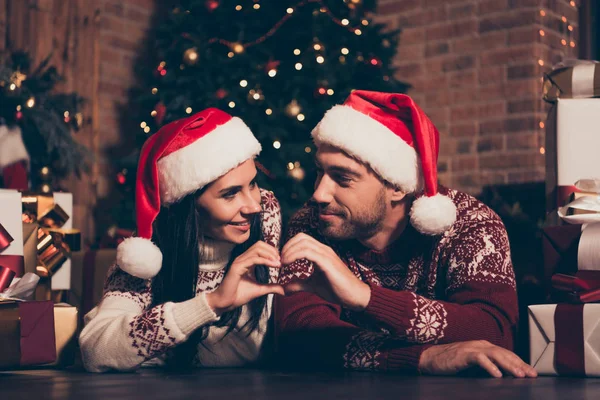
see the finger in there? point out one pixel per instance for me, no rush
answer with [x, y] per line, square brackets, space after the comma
[242, 266]
[507, 363]
[298, 238]
[481, 360]
[528, 370]
[266, 250]
[301, 253]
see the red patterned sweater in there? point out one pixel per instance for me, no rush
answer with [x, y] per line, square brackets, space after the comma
[127, 328]
[424, 290]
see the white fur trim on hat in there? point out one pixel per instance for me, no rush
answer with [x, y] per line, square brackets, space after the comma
[373, 143]
[139, 257]
[12, 148]
[433, 215]
[196, 165]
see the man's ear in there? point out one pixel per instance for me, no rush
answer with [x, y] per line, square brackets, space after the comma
[397, 194]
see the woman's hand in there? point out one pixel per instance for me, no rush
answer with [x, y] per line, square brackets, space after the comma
[239, 285]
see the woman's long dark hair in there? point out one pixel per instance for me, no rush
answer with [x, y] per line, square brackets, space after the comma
[178, 234]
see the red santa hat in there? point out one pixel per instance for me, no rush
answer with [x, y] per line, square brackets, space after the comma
[391, 134]
[179, 159]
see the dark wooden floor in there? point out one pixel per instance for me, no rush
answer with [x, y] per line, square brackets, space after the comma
[253, 384]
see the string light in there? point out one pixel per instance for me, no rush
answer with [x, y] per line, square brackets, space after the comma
[317, 47]
[154, 90]
[542, 13]
[153, 113]
[237, 48]
[564, 19]
[542, 150]
[238, 8]
[320, 59]
[330, 92]
[19, 108]
[307, 149]
[345, 22]
[256, 6]
[345, 51]
[66, 113]
[12, 86]
[365, 22]
[188, 110]
[572, 3]
[272, 73]
[541, 62]
[290, 10]
[243, 83]
[300, 117]
[542, 33]
[231, 104]
[298, 66]
[143, 124]
[256, 96]
[358, 32]
[277, 144]
[563, 42]
[230, 54]
[268, 111]
[342, 59]
[297, 52]
[147, 129]
[542, 125]
[570, 28]
[31, 102]
[322, 90]
[290, 165]
[572, 44]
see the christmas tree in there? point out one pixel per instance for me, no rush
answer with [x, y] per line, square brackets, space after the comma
[45, 119]
[277, 64]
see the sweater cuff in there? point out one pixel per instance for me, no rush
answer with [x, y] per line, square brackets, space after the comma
[406, 359]
[392, 308]
[192, 314]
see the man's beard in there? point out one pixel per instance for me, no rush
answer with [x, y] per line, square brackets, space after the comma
[366, 222]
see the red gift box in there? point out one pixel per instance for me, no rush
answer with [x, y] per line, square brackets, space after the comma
[26, 333]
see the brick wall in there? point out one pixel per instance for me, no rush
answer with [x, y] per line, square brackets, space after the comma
[123, 28]
[476, 68]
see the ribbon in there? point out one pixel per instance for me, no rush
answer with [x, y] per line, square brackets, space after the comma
[569, 341]
[585, 206]
[8, 262]
[41, 208]
[584, 287]
[572, 79]
[5, 238]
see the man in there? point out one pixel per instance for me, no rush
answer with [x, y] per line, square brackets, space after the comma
[403, 276]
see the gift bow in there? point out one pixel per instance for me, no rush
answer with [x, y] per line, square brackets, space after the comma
[580, 85]
[582, 288]
[589, 203]
[54, 243]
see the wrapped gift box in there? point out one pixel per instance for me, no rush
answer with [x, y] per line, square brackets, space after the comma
[572, 144]
[565, 339]
[88, 276]
[26, 333]
[11, 234]
[65, 332]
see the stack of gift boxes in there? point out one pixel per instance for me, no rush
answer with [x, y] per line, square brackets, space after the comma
[36, 242]
[565, 333]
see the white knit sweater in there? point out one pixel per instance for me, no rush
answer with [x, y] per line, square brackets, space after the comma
[127, 329]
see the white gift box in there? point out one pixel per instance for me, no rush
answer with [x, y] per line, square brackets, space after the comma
[572, 145]
[10, 218]
[542, 339]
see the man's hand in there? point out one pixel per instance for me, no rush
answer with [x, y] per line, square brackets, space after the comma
[449, 359]
[331, 280]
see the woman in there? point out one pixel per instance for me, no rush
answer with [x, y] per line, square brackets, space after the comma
[201, 294]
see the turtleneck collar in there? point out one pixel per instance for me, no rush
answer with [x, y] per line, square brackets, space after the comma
[215, 254]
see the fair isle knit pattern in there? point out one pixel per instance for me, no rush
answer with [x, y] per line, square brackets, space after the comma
[127, 328]
[424, 290]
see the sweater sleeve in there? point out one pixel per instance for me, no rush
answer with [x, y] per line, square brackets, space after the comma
[480, 295]
[312, 335]
[125, 330]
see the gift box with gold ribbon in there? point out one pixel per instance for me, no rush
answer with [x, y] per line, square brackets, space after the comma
[49, 240]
